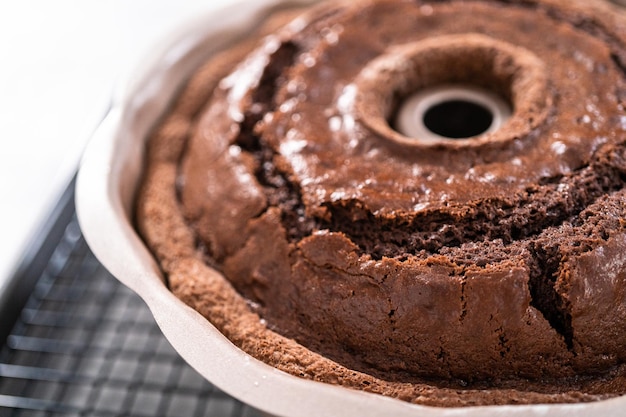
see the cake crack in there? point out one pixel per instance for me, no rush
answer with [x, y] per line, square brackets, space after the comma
[527, 214]
[542, 284]
[463, 299]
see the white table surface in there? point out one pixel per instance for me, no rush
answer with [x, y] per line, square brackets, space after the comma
[59, 61]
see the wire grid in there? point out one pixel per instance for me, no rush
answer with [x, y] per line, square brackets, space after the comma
[85, 345]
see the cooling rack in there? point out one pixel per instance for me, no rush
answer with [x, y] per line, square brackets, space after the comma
[76, 342]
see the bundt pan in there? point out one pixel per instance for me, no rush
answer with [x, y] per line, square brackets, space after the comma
[447, 252]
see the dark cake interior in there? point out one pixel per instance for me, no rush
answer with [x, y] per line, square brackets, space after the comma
[282, 204]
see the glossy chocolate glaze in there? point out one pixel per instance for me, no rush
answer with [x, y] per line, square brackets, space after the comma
[474, 271]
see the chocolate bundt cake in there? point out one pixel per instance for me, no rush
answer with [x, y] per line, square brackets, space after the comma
[283, 203]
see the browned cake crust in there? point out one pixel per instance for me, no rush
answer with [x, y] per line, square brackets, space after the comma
[282, 205]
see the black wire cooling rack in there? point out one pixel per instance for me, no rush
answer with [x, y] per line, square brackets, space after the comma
[76, 342]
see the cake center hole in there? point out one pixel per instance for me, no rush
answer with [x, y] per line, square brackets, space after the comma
[451, 112]
[458, 119]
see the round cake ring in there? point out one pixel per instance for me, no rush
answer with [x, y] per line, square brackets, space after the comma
[490, 71]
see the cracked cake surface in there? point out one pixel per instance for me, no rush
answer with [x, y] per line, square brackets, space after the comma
[281, 203]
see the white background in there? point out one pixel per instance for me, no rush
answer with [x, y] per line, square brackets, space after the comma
[59, 62]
